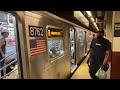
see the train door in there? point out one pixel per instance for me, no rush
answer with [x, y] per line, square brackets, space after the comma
[85, 43]
[73, 50]
[12, 55]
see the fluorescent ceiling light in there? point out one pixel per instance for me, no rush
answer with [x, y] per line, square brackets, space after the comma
[78, 15]
[92, 19]
[94, 23]
[89, 13]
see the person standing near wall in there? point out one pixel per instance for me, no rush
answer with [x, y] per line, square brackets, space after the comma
[99, 54]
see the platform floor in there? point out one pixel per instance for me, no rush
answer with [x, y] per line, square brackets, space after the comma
[83, 73]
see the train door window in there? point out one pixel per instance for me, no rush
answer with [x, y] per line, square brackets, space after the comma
[55, 43]
[89, 40]
[85, 42]
[73, 53]
[7, 23]
[82, 43]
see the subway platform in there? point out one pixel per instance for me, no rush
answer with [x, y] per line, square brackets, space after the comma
[83, 73]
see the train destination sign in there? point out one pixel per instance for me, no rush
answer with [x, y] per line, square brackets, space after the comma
[35, 31]
[54, 32]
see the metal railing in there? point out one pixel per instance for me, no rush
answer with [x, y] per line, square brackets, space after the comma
[6, 57]
[12, 62]
[8, 64]
[9, 73]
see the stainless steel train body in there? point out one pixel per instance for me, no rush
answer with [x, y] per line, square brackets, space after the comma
[38, 64]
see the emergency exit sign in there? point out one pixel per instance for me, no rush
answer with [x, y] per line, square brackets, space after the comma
[117, 30]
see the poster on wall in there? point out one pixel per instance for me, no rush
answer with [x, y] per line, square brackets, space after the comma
[117, 30]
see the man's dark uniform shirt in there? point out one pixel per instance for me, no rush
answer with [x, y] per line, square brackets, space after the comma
[99, 47]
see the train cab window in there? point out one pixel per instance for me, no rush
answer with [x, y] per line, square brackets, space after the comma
[55, 43]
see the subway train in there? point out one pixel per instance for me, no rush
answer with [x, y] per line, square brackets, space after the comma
[46, 46]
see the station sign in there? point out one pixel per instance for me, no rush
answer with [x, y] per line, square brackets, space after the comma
[54, 32]
[35, 31]
[117, 30]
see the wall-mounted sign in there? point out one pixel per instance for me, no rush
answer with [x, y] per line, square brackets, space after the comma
[117, 30]
[54, 32]
[35, 31]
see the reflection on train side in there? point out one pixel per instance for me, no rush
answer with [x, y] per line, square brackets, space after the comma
[55, 48]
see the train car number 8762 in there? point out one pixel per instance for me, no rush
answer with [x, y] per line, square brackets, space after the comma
[35, 31]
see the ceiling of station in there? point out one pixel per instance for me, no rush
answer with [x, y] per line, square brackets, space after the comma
[97, 15]
[99, 18]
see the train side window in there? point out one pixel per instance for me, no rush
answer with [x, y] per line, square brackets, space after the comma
[55, 43]
[55, 47]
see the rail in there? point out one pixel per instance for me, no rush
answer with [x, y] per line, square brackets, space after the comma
[9, 73]
[6, 57]
[12, 62]
[8, 64]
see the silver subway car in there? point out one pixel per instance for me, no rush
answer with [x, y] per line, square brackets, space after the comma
[47, 46]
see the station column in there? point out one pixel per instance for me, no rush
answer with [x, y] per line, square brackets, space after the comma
[112, 29]
[115, 71]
